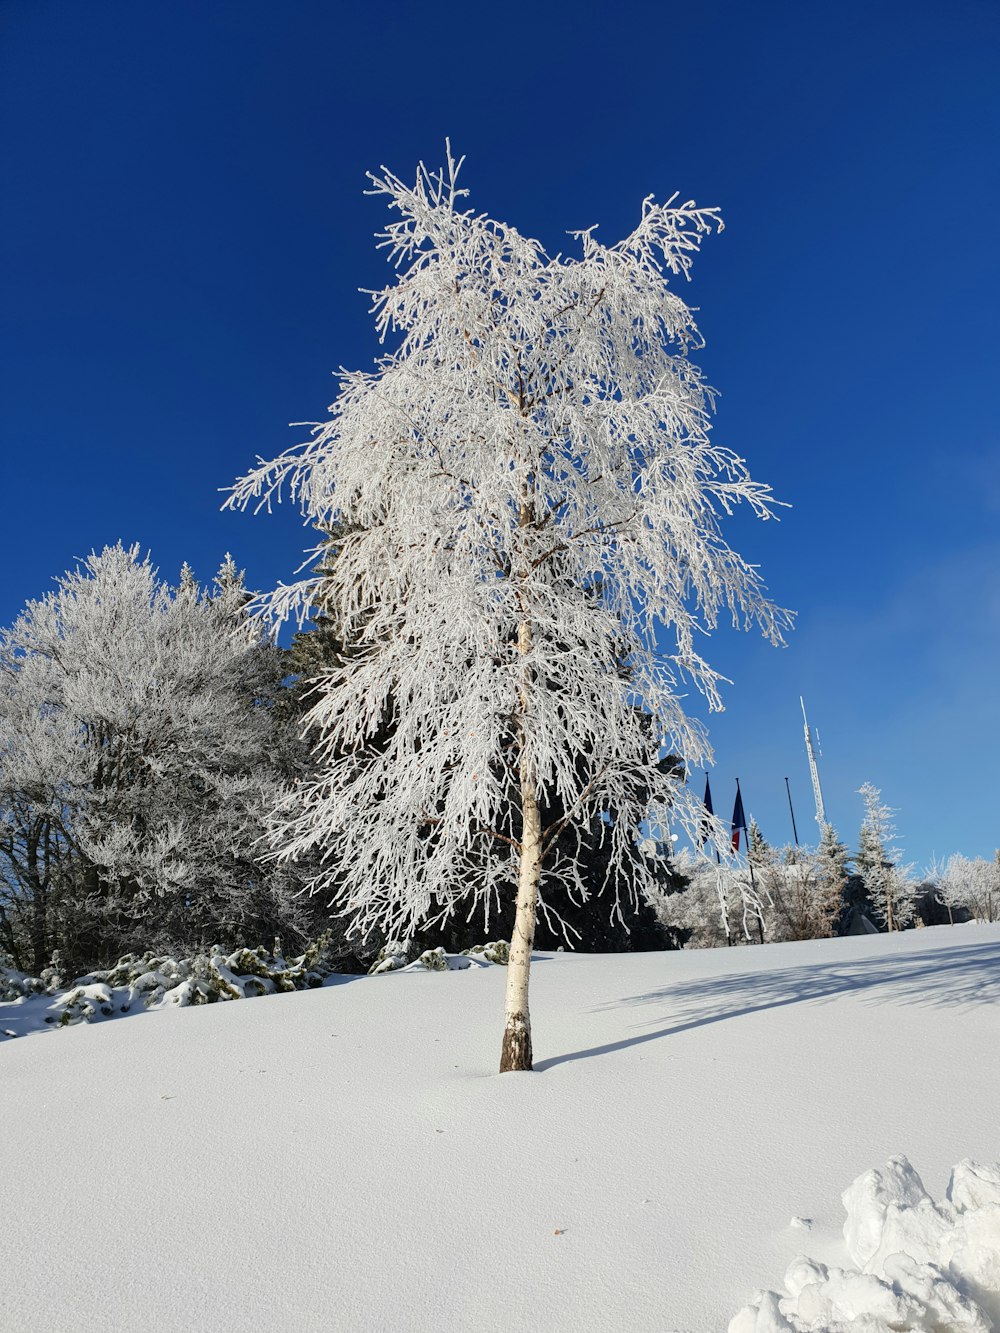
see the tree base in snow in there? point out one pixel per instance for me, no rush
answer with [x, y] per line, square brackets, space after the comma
[515, 1056]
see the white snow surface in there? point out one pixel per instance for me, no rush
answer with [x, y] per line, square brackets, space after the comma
[346, 1158]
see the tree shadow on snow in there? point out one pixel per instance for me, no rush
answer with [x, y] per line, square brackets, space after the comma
[964, 975]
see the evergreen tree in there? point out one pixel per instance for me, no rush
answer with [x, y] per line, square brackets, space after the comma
[759, 850]
[889, 886]
[832, 859]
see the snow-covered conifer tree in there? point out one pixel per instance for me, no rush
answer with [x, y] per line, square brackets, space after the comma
[889, 885]
[832, 859]
[531, 495]
[759, 850]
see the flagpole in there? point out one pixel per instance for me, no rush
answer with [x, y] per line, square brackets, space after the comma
[711, 811]
[740, 814]
[795, 832]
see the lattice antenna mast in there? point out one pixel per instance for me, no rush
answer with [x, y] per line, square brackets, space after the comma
[813, 770]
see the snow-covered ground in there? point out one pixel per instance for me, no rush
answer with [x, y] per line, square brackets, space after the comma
[347, 1159]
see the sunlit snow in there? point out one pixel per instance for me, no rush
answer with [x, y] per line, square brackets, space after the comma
[345, 1158]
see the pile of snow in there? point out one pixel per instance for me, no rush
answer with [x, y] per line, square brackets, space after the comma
[922, 1266]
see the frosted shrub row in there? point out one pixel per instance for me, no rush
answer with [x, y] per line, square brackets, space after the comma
[150, 981]
[156, 981]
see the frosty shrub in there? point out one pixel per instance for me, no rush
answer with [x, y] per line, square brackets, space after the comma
[152, 981]
[531, 503]
[496, 951]
[392, 957]
[397, 955]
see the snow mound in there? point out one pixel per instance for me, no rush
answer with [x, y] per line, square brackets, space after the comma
[922, 1266]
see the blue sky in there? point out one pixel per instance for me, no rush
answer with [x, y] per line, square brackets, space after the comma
[184, 234]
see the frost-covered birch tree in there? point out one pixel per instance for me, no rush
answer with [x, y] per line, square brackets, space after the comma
[532, 506]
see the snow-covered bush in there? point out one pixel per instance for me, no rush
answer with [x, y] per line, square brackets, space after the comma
[151, 980]
[392, 957]
[496, 951]
[397, 956]
[922, 1266]
[15, 985]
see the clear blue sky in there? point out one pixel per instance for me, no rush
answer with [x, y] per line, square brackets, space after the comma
[184, 233]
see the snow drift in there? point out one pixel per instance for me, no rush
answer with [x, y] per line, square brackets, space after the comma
[922, 1266]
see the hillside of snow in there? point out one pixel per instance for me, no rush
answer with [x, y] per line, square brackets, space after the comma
[347, 1159]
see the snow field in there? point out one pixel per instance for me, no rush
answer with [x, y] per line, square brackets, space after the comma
[346, 1158]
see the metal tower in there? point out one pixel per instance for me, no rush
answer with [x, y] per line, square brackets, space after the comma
[813, 770]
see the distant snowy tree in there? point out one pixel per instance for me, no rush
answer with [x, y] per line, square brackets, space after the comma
[138, 761]
[971, 886]
[803, 901]
[720, 904]
[950, 885]
[832, 861]
[833, 858]
[788, 897]
[889, 885]
[758, 848]
[529, 489]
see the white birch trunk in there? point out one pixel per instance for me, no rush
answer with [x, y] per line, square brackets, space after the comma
[516, 1051]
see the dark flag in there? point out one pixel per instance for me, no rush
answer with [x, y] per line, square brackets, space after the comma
[705, 829]
[739, 818]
